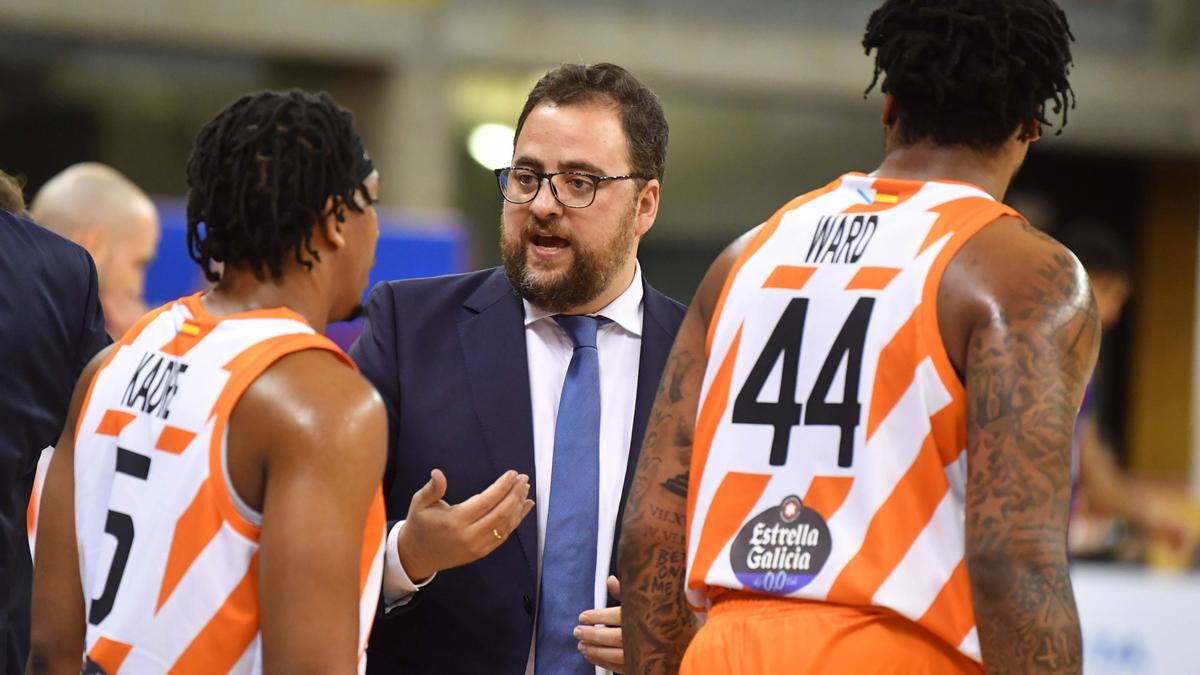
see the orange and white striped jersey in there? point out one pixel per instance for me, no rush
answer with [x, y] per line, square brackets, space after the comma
[169, 553]
[829, 459]
[35, 496]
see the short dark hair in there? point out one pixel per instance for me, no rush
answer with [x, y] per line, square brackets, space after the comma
[641, 114]
[971, 72]
[12, 194]
[260, 175]
[1098, 248]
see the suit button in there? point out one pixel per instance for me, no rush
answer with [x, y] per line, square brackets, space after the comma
[528, 602]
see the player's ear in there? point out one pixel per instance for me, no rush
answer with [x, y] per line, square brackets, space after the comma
[332, 227]
[891, 111]
[1033, 131]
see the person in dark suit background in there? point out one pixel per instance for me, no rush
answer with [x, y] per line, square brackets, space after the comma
[51, 325]
[541, 372]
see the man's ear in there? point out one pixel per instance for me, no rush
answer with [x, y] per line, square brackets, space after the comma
[647, 205]
[94, 239]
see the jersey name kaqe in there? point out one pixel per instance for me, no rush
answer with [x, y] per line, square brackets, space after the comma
[169, 553]
[829, 459]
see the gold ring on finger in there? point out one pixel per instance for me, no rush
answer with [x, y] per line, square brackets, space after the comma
[496, 533]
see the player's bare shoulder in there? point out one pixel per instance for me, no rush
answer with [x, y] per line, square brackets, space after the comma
[308, 405]
[1013, 275]
[314, 393]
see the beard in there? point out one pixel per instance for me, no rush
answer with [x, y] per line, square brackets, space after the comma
[591, 271]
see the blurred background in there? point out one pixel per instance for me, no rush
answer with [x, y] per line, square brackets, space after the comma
[765, 100]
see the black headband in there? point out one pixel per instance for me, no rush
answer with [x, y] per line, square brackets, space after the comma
[363, 166]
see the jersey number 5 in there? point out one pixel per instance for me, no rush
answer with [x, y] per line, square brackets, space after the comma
[119, 525]
[784, 414]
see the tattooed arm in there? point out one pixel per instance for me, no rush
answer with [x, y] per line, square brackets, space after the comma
[1025, 338]
[653, 550]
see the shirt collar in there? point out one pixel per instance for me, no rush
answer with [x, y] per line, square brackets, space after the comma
[625, 310]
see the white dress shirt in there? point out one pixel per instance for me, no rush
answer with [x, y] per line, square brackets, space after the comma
[549, 351]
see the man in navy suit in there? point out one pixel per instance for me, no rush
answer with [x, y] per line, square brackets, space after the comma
[50, 327]
[530, 380]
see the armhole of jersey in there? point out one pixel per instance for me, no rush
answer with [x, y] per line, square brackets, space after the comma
[126, 340]
[258, 358]
[933, 282]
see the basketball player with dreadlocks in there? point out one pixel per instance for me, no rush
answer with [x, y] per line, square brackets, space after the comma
[224, 424]
[866, 419]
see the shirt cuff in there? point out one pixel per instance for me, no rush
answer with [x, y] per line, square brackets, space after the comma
[398, 588]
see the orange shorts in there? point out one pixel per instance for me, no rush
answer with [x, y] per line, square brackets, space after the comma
[769, 636]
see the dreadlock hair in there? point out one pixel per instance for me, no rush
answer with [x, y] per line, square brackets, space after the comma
[259, 178]
[971, 72]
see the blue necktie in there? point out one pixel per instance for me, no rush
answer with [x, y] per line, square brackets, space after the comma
[569, 554]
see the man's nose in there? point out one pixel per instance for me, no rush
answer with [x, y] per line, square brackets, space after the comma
[544, 204]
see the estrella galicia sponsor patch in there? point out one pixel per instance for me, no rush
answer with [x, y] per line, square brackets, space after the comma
[780, 550]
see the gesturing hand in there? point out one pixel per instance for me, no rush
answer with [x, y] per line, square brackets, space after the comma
[438, 536]
[600, 633]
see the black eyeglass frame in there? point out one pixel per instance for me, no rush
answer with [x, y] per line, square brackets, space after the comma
[596, 182]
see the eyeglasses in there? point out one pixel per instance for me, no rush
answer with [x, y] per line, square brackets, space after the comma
[572, 189]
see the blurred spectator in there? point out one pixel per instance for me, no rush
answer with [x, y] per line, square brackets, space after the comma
[1104, 489]
[103, 211]
[12, 196]
[50, 327]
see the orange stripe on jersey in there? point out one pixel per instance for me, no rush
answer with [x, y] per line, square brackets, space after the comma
[136, 329]
[951, 615]
[789, 277]
[226, 636]
[755, 244]
[271, 349]
[174, 440]
[197, 526]
[109, 654]
[113, 422]
[888, 195]
[872, 278]
[893, 529]
[948, 429]
[376, 523]
[190, 334]
[128, 338]
[735, 496]
[827, 493]
[196, 306]
[981, 212]
[894, 374]
[31, 512]
[953, 215]
[245, 368]
[711, 412]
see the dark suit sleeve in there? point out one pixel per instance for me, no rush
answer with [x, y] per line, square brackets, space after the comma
[92, 334]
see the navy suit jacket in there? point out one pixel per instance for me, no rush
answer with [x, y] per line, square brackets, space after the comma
[50, 327]
[448, 356]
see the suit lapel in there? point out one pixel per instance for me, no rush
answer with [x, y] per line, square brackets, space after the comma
[492, 333]
[656, 346]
